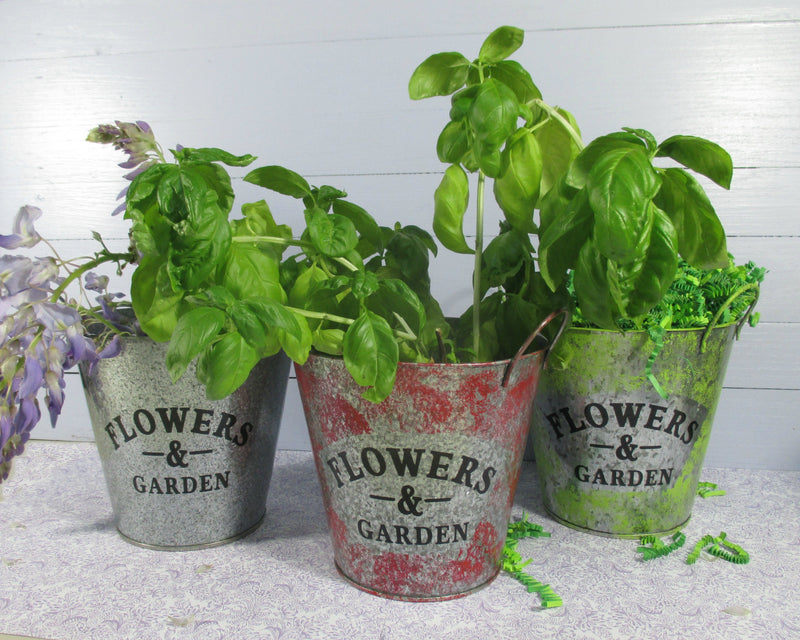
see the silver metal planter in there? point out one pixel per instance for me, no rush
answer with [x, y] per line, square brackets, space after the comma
[183, 472]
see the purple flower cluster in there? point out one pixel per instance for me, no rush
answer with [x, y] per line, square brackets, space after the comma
[137, 140]
[42, 334]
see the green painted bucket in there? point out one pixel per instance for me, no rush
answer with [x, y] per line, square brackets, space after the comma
[613, 456]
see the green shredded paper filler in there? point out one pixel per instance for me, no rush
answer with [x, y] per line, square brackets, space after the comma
[719, 547]
[708, 490]
[697, 298]
[652, 547]
[514, 565]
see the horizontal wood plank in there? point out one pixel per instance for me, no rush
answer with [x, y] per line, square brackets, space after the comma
[44, 29]
[332, 108]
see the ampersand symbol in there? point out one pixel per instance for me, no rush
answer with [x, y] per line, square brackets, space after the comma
[625, 449]
[407, 504]
[176, 455]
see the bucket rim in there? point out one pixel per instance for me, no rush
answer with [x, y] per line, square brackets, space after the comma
[719, 327]
[524, 353]
[430, 365]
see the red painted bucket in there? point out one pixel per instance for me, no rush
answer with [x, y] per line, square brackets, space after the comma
[418, 488]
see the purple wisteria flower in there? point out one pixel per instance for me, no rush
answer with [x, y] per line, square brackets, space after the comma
[137, 140]
[24, 235]
[42, 335]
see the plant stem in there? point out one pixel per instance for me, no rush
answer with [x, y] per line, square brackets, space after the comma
[292, 243]
[320, 315]
[476, 281]
[553, 113]
[92, 264]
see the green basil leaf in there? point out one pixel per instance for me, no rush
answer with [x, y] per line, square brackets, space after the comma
[194, 331]
[620, 187]
[365, 283]
[462, 101]
[258, 221]
[569, 226]
[363, 222]
[213, 155]
[593, 288]
[557, 145]
[439, 75]
[578, 172]
[644, 283]
[324, 196]
[330, 233]
[517, 188]
[493, 113]
[420, 234]
[371, 355]
[646, 137]
[503, 258]
[199, 179]
[226, 365]
[155, 302]
[701, 155]
[394, 296]
[452, 143]
[252, 327]
[201, 247]
[500, 44]
[290, 328]
[252, 272]
[218, 296]
[489, 158]
[304, 284]
[280, 179]
[516, 320]
[328, 341]
[515, 77]
[701, 236]
[450, 204]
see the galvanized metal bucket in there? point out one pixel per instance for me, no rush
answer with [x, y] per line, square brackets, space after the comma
[183, 472]
[418, 488]
[613, 456]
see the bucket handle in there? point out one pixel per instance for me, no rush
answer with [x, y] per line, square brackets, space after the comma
[564, 322]
[740, 323]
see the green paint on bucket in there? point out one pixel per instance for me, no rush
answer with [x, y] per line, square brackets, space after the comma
[613, 456]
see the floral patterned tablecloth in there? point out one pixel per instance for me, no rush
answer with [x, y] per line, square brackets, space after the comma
[65, 573]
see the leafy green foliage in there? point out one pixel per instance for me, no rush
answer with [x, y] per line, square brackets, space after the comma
[499, 127]
[202, 283]
[355, 288]
[695, 298]
[621, 223]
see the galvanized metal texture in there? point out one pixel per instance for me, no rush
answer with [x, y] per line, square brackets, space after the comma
[418, 489]
[613, 457]
[183, 472]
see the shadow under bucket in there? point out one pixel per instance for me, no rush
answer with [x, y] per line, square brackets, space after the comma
[613, 456]
[418, 488]
[183, 472]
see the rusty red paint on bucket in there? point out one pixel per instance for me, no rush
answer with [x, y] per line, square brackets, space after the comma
[418, 488]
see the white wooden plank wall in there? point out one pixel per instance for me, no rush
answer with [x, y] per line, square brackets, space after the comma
[321, 88]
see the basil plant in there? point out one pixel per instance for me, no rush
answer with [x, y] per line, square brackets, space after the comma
[227, 291]
[620, 223]
[499, 128]
[611, 223]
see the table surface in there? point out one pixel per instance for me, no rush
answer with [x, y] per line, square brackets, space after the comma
[66, 574]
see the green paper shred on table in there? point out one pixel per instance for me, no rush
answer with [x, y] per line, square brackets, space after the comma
[653, 547]
[514, 565]
[708, 490]
[719, 547]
